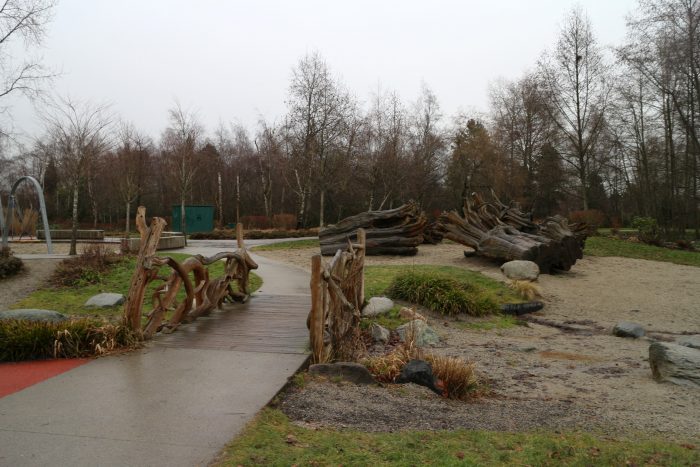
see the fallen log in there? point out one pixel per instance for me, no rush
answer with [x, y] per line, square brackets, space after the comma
[493, 231]
[396, 231]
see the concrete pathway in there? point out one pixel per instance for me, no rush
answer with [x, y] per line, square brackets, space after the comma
[176, 402]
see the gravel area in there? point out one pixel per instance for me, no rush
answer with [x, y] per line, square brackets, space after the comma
[36, 272]
[563, 368]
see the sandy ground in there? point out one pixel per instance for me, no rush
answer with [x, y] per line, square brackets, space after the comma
[542, 376]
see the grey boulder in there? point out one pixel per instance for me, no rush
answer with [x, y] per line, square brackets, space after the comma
[690, 341]
[347, 371]
[675, 363]
[423, 334]
[105, 300]
[379, 333]
[376, 306]
[33, 314]
[627, 329]
[520, 270]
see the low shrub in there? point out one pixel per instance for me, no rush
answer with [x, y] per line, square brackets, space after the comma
[284, 221]
[87, 268]
[648, 230]
[442, 294]
[592, 218]
[386, 368]
[9, 264]
[526, 289]
[32, 340]
[458, 378]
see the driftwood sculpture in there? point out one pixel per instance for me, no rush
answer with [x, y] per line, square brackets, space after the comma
[495, 230]
[201, 297]
[393, 232]
[337, 296]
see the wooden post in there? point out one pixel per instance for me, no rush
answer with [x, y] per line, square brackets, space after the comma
[239, 235]
[362, 240]
[140, 278]
[317, 312]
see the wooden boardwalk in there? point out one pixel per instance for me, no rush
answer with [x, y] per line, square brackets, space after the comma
[266, 323]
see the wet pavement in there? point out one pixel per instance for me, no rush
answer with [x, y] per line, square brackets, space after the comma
[178, 401]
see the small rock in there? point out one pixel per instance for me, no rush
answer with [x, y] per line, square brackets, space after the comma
[376, 306]
[422, 333]
[690, 341]
[675, 363]
[419, 372]
[410, 313]
[627, 329]
[521, 270]
[348, 371]
[105, 300]
[379, 333]
[469, 253]
[33, 314]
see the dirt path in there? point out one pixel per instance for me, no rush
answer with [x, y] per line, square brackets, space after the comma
[543, 376]
[35, 274]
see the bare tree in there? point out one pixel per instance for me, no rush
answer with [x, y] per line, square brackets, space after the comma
[80, 130]
[318, 110]
[22, 26]
[180, 142]
[130, 160]
[577, 92]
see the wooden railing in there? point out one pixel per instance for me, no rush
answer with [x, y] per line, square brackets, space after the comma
[201, 297]
[337, 295]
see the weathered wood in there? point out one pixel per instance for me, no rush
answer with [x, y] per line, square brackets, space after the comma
[316, 317]
[337, 289]
[201, 297]
[144, 272]
[400, 229]
[493, 231]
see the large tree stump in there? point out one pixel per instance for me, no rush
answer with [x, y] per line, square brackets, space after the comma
[506, 233]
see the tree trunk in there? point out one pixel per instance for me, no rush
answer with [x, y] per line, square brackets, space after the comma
[322, 203]
[220, 202]
[128, 215]
[183, 221]
[74, 225]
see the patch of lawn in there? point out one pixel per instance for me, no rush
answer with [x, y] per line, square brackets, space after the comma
[270, 439]
[289, 245]
[70, 300]
[602, 246]
[379, 278]
[389, 320]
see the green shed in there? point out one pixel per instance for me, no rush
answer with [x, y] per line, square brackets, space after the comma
[198, 218]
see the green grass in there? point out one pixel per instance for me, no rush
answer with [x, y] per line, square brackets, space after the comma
[289, 245]
[70, 300]
[270, 439]
[389, 320]
[379, 278]
[603, 246]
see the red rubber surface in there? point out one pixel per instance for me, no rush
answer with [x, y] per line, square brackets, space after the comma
[17, 376]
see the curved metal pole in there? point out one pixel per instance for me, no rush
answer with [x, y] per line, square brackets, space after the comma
[42, 207]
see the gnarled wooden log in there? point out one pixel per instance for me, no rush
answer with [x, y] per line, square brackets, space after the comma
[395, 231]
[494, 231]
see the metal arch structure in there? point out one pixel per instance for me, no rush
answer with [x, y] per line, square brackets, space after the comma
[5, 222]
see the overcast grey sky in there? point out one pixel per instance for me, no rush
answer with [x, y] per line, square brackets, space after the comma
[231, 61]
